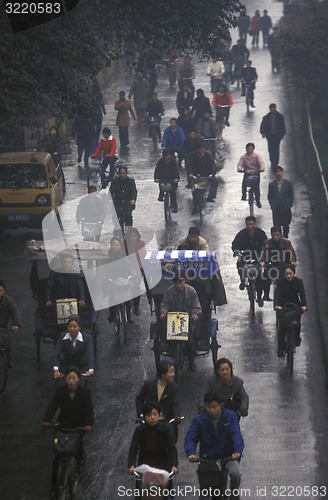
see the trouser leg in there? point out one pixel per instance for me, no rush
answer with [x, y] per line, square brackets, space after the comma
[79, 153]
[235, 477]
[243, 187]
[257, 189]
[174, 203]
[213, 187]
[286, 218]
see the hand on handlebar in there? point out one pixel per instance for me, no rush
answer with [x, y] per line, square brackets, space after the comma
[131, 469]
[193, 458]
[175, 470]
[304, 308]
[235, 456]
[57, 374]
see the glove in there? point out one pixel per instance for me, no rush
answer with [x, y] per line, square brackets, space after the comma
[45, 424]
[87, 428]
[243, 412]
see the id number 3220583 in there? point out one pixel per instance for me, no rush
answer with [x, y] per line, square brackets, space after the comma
[298, 491]
[33, 7]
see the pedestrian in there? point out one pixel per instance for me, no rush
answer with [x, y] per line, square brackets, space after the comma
[217, 431]
[123, 107]
[181, 297]
[275, 49]
[237, 398]
[75, 410]
[139, 90]
[73, 348]
[91, 208]
[244, 21]
[251, 164]
[123, 192]
[134, 244]
[273, 130]
[10, 318]
[98, 110]
[164, 391]
[248, 76]
[53, 144]
[281, 199]
[106, 146]
[254, 29]
[265, 26]
[85, 131]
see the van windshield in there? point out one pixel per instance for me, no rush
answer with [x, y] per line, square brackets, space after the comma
[23, 176]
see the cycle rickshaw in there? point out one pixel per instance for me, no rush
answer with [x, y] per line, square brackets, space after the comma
[202, 271]
[50, 322]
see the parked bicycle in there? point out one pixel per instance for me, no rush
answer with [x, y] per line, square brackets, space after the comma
[4, 340]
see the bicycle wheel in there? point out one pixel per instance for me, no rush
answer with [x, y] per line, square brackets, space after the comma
[290, 346]
[62, 479]
[167, 208]
[124, 321]
[178, 359]
[72, 475]
[251, 297]
[154, 137]
[93, 178]
[117, 322]
[251, 202]
[3, 370]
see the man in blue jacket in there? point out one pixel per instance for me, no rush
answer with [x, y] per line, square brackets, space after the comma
[173, 138]
[217, 431]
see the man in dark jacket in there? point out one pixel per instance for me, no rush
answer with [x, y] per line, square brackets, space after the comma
[124, 194]
[164, 391]
[9, 318]
[281, 199]
[202, 165]
[200, 105]
[248, 76]
[217, 431]
[249, 243]
[273, 129]
[167, 172]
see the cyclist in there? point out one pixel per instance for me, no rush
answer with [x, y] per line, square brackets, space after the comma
[276, 253]
[123, 192]
[163, 390]
[193, 240]
[155, 110]
[181, 297]
[215, 70]
[186, 121]
[184, 99]
[106, 146]
[249, 77]
[217, 431]
[249, 241]
[201, 103]
[9, 317]
[75, 410]
[66, 282]
[186, 74]
[290, 289]
[134, 244]
[167, 171]
[208, 128]
[173, 138]
[202, 165]
[240, 54]
[92, 209]
[251, 164]
[189, 146]
[152, 442]
[73, 348]
[222, 98]
[237, 398]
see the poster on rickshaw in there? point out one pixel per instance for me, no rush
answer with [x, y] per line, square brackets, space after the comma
[177, 326]
[65, 309]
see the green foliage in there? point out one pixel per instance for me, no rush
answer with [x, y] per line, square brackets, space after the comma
[48, 69]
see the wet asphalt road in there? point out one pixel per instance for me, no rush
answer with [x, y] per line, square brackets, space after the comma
[285, 432]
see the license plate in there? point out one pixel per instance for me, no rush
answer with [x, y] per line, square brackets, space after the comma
[13, 218]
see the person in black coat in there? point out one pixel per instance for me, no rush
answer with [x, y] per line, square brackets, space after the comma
[73, 348]
[281, 199]
[85, 131]
[163, 390]
[152, 443]
[273, 129]
[167, 170]
[184, 99]
[75, 410]
[289, 289]
[200, 104]
[66, 282]
[124, 194]
[248, 76]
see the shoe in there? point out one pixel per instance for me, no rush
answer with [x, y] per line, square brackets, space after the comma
[260, 302]
[160, 198]
[242, 286]
[227, 123]
[137, 311]
[298, 341]
[210, 200]
[281, 354]
[259, 204]
[192, 367]
[252, 105]
[243, 198]
[174, 210]
[80, 466]
[266, 298]
[194, 211]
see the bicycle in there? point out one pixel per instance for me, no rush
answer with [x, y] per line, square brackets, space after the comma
[250, 275]
[153, 123]
[213, 478]
[292, 324]
[66, 444]
[250, 181]
[120, 318]
[101, 181]
[199, 187]
[249, 95]
[4, 339]
[166, 190]
[221, 117]
[212, 145]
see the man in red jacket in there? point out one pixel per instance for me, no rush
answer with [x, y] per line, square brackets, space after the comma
[107, 146]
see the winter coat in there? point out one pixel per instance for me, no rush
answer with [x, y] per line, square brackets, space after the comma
[81, 356]
[282, 200]
[167, 170]
[9, 312]
[266, 130]
[139, 90]
[106, 146]
[253, 243]
[168, 402]
[290, 291]
[238, 397]
[123, 108]
[191, 301]
[173, 139]
[77, 412]
[62, 285]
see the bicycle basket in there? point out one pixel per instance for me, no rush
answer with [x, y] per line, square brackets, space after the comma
[165, 187]
[210, 475]
[66, 443]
